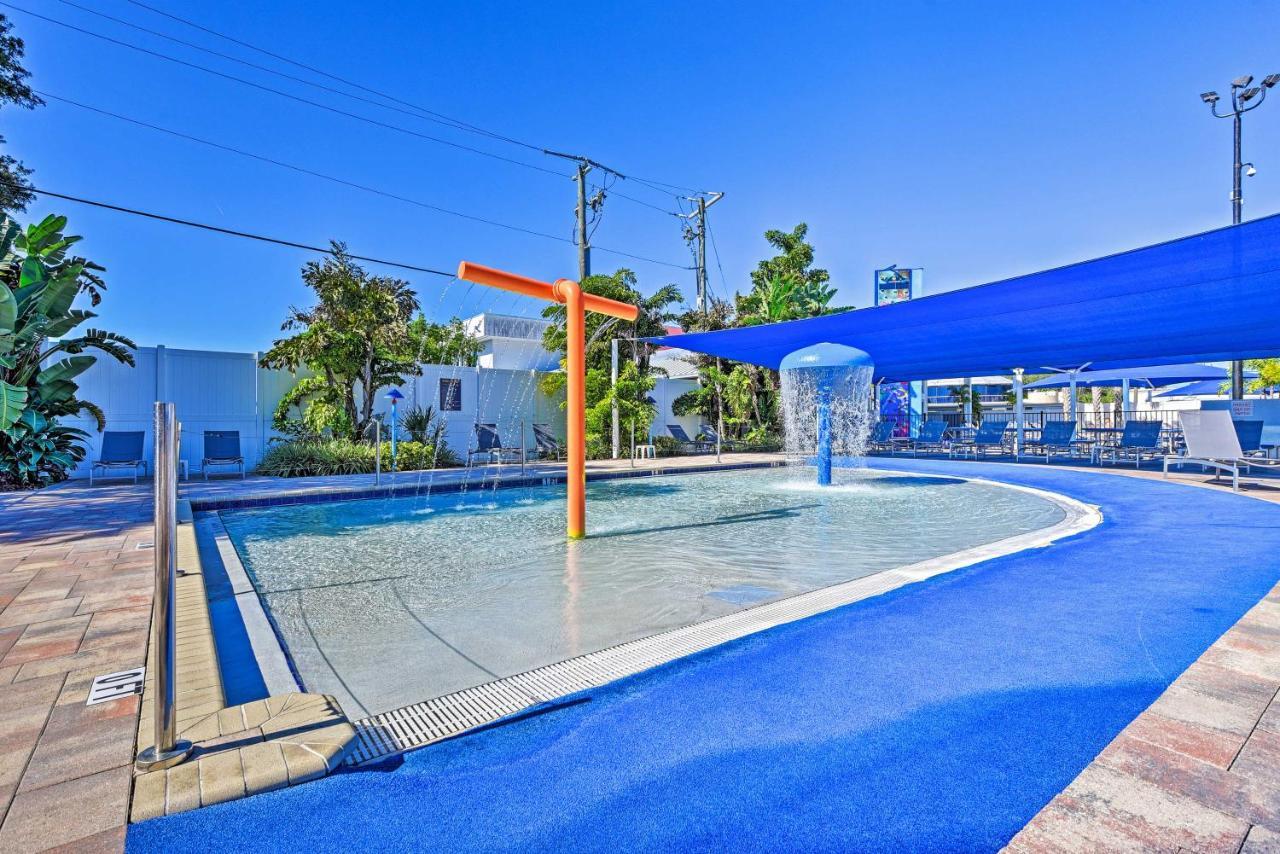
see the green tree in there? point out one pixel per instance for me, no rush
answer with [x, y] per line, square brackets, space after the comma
[443, 343]
[809, 287]
[40, 354]
[354, 340]
[15, 189]
[1268, 374]
[656, 311]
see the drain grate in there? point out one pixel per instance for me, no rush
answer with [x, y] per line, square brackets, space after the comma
[420, 724]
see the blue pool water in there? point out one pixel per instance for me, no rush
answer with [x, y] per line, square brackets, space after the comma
[389, 602]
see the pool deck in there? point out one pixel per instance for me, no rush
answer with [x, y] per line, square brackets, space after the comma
[1196, 770]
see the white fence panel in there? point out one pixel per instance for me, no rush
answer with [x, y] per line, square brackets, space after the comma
[227, 391]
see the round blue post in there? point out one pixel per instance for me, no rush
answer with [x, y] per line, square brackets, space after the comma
[824, 437]
[395, 397]
[827, 372]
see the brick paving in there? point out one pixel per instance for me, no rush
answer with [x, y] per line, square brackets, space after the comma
[75, 600]
[1197, 772]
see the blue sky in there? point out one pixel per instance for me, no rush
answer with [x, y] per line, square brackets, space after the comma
[976, 140]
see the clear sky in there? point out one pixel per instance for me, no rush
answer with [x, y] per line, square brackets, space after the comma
[976, 140]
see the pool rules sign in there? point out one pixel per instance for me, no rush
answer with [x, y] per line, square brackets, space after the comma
[113, 686]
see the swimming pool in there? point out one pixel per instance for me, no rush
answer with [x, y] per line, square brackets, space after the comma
[391, 601]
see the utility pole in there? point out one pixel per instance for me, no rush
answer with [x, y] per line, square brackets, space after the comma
[585, 203]
[584, 240]
[698, 234]
[1241, 96]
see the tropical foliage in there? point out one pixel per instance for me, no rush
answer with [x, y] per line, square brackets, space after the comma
[361, 335]
[634, 382]
[1268, 374]
[41, 354]
[785, 286]
[312, 457]
[15, 189]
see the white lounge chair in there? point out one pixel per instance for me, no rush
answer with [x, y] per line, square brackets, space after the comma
[1212, 441]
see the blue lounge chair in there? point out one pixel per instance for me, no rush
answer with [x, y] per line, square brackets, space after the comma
[1055, 437]
[1138, 438]
[121, 449]
[222, 448]
[677, 432]
[990, 434]
[932, 438]
[489, 442]
[725, 444]
[549, 446]
[1250, 435]
[881, 438]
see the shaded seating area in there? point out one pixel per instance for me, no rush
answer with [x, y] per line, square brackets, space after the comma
[121, 451]
[222, 448]
[1139, 439]
[489, 442]
[932, 438]
[1212, 442]
[1057, 438]
[881, 438]
[990, 436]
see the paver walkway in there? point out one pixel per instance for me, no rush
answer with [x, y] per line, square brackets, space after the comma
[75, 602]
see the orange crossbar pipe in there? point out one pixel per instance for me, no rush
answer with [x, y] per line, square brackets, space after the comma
[482, 275]
[577, 303]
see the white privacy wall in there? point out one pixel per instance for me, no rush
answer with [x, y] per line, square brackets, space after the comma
[228, 391]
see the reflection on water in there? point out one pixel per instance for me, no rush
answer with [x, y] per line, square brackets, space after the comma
[410, 598]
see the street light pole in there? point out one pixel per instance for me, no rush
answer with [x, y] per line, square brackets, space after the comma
[1243, 99]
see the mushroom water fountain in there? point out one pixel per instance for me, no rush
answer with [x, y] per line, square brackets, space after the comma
[826, 404]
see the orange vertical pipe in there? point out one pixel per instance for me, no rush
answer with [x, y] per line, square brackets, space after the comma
[576, 303]
[570, 293]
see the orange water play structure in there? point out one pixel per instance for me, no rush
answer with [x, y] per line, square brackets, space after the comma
[577, 304]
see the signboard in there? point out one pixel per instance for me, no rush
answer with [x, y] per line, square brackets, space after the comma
[895, 285]
[1242, 409]
[113, 686]
[900, 402]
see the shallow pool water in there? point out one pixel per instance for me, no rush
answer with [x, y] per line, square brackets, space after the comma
[388, 602]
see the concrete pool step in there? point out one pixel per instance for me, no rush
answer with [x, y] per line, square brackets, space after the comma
[386, 734]
[239, 750]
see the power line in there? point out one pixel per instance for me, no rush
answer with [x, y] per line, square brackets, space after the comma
[230, 232]
[283, 94]
[660, 186]
[415, 112]
[301, 169]
[323, 73]
[724, 283]
[418, 112]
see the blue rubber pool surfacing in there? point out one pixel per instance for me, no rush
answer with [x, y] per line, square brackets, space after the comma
[939, 717]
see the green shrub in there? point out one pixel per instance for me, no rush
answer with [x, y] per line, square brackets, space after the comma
[666, 446]
[307, 458]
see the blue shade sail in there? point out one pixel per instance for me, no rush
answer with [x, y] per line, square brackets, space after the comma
[1206, 298]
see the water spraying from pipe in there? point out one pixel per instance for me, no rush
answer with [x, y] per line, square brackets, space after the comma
[825, 404]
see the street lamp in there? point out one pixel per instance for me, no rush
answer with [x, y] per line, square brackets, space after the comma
[395, 397]
[1243, 99]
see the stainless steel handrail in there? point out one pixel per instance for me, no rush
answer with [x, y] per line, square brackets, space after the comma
[168, 749]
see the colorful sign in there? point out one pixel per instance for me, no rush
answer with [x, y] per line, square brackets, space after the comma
[900, 402]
